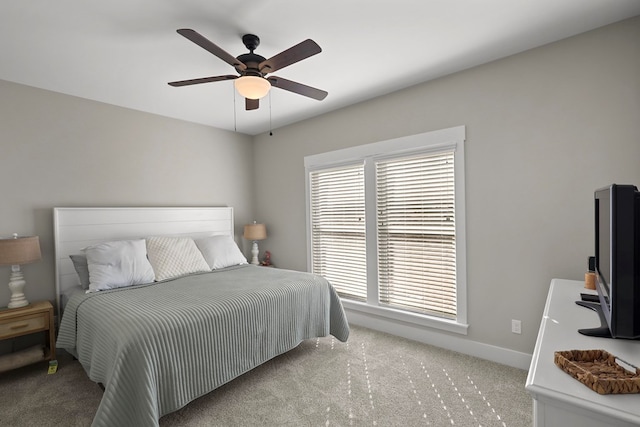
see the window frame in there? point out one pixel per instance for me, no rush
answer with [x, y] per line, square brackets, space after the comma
[424, 143]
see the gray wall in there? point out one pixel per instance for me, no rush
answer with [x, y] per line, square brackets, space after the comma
[58, 150]
[544, 129]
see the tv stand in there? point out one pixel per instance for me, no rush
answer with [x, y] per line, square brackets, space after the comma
[602, 331]
[558, 398]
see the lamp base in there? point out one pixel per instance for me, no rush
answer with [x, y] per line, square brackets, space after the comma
[16, 286]
[254, 253]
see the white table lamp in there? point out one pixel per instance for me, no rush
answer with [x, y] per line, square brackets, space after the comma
[255, 232]
[16, 251]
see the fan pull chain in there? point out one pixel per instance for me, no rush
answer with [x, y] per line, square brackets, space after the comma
[270, 125]
[235, 120]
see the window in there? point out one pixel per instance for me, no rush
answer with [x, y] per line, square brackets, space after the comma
[416, 233]
[386, 226]
[338, 231]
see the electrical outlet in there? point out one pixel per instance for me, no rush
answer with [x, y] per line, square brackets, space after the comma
[516, 326]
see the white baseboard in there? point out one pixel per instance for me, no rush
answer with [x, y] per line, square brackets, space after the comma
[493, 353]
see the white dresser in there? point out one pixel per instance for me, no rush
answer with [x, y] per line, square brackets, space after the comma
[559, 400]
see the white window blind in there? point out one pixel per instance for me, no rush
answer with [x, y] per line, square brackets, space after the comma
[416, 233]
[338, 229]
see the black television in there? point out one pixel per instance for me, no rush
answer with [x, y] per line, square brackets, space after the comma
[617, 261]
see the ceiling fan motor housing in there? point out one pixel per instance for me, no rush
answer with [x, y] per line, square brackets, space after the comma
[252, 61]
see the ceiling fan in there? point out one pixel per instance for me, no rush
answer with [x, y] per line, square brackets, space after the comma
[252, 68]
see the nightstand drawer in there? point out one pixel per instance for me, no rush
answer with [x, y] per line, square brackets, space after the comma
[23, 325]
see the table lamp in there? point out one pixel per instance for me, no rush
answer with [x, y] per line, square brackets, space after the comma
[15, 252]
[255, 232]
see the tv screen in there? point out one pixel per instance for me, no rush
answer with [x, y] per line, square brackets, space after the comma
[617, 258]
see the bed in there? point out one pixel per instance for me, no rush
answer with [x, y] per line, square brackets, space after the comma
[157, 345]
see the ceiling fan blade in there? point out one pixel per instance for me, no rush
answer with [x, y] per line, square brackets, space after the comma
[290, 56]
[202, 80]
[251, 104]
[208, 45]
[298, 88]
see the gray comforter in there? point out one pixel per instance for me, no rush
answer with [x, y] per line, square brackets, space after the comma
[157, 347]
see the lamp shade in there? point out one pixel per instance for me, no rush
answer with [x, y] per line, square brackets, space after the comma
[252, 87]
[19, 250]
[255, 232]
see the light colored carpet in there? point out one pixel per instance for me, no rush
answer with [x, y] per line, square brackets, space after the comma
[374, 379]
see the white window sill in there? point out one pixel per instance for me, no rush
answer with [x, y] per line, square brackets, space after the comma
[406, 317]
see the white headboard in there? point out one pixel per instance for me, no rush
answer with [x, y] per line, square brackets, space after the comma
[77, 228]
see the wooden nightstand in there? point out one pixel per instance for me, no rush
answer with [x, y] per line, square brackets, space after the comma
[17, 322]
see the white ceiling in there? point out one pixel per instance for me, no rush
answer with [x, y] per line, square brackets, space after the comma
[123, 52]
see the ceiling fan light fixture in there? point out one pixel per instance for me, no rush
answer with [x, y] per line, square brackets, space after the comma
[252, 87]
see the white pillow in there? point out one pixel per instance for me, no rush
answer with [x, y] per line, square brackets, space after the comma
[220, 251]
[174, 256]
[118, 264]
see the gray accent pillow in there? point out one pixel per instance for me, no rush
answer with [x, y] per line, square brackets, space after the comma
[82, 269]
